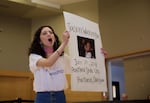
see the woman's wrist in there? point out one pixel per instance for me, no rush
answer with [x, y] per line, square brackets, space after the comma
[61, 48]
[58, 53]
[64, 43]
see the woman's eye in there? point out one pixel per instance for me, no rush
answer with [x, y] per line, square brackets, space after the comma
[50, 32]
[44, 33]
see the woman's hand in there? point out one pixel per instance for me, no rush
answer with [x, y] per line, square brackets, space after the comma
[104, 52]
[65, 37]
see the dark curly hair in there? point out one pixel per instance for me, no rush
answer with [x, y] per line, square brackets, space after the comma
[36, 47]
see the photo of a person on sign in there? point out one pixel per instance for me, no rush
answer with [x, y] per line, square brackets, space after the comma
[86, 47]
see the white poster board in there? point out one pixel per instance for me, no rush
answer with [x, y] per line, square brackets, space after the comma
[87, 68]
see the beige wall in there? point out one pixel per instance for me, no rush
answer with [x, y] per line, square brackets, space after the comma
[124, 25]
[137, 74]
[87, 9]
[14, 42]
[125, 29]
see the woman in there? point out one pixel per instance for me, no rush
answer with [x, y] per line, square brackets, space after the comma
[45, 62]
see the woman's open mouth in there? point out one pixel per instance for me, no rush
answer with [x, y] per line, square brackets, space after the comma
[50, 40]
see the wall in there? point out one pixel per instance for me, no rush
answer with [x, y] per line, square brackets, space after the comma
[124, 25]
[14, 43]
[88, 9]
[137, 74]
[125, 29]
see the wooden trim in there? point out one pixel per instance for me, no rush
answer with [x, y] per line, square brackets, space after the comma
[15, 73]
[130, 54]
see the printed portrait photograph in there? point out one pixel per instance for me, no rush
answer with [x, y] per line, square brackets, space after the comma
[86, 47]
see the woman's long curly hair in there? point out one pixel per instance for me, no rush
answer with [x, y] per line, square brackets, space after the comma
[36, 46]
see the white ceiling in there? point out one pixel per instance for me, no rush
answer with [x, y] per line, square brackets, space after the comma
[62, 2]
[15, 8]
[55, 3]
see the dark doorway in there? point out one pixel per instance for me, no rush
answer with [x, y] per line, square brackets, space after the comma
[115, 90]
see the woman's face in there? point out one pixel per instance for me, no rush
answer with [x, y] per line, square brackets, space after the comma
[47, 37]
[87, 47]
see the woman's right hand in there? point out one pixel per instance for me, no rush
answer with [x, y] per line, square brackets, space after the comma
[65, 37]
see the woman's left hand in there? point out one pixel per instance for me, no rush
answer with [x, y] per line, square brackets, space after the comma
[104, 52]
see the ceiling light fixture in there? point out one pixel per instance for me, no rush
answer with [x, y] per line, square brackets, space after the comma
[48, 4]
